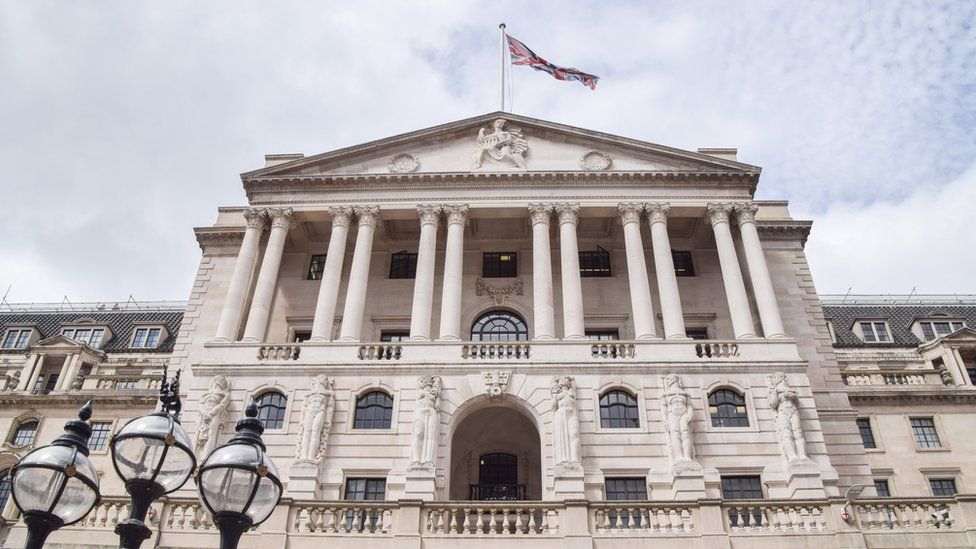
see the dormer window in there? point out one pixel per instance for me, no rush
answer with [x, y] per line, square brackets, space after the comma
[934, 329]
[89, 336]
[16, 338]
[146, 338]
[874, 331]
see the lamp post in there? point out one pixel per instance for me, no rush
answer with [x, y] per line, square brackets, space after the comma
[238, 482]
[153, 457]
[56, 485]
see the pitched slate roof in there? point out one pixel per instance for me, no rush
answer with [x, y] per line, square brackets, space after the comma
[120, 323]
[900, 319]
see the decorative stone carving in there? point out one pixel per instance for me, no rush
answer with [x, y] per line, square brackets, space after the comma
[595, 161]
[540, 213]
[630, 212]
[404, 163]
[568, 213]
[746, 213]
[506, 145]
[718, 212]
[256, 218]
[496, 382]
[657, 212]
[316, 420]
[677, 413]
[368, 215]
[213, 406]
[341, 216]
[945, 376]
[281, 217]
[784, 401]
[566, 445]
[13, 381]
[499, 294]
[78, 382]
[456, 213]
[429, 214]
[426, 423]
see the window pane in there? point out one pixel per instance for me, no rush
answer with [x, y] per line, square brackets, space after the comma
[96, 338]
[394, 336]
[881, 331]
[941, 328]
[499, 326]
[618, 410]
[271, 410]
[943, 487]
[595, 264]
[727, 408]
[374, 410]
[11, 339]
[742, 487]
[867, 435]
[316, 267]
[956, 326]
[971, 372]
[925, 434]
[300, 336]
[927, 331]
[881, 486]
[403, 265]
[602, 335]
[99, 436]
[626, 489]
[499, 265]
[4, 487]
[140, 339]
[697, 333]
[683, 265]
[868, 331]
[153, 340]
[25, 433]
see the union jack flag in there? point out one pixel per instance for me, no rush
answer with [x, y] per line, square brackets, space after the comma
[522, 55]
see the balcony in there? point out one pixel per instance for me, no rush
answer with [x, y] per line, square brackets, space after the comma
[496, 492]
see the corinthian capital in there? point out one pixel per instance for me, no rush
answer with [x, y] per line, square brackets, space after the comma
[568, 213]
[281, 218]
[540, 213]
[456, 213]
[341, 216]
[657, 212]
[429, 214]
[746, 213]
[256, 218]
[718, 212]
[368, 215]
[630, 212]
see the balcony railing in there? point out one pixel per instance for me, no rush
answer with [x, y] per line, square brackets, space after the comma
[891, 378]
[496, 492]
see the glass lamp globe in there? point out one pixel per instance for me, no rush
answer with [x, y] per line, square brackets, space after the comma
[153, 450]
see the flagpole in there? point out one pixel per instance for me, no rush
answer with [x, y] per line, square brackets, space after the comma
[501, 73]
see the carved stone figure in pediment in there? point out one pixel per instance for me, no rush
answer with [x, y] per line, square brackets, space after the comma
[316, 420]
[783, 399]
[426, 423]
[566, 445]
[210, 419]
[502, 145]
[676, 405]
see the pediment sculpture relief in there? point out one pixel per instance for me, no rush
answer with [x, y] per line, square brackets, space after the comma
[505, 145]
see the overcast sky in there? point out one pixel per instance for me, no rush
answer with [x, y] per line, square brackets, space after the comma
[125, 124]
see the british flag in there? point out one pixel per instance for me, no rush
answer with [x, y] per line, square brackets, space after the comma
[522, 55]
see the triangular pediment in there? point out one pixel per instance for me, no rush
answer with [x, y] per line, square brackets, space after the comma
[963, 334]
[60, 342]
[455, 148]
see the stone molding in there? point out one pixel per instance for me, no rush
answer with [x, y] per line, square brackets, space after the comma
[718, 212]
[218, 236]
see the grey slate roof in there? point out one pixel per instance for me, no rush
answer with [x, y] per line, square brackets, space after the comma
[120, 323]
[899, 317]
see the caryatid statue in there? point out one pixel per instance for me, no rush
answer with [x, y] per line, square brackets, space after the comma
[677, 409]
[785, 402]
[316, 420]
[426, 423]
[566, 446]
[502, 144]
[213, 406]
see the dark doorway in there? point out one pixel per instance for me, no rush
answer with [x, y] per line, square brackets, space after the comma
[497, 478]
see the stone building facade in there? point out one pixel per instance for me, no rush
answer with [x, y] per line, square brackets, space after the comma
[514, 329]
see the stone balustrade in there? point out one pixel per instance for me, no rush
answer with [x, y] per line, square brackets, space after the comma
[279, 352]
[346, 517]
[891, 378]
[907, 514]
[495, 351]
[483, 518]
[379, 351]
[717, 349]
[613, 349]
[639, 518]
[122, 382]
[771, 517]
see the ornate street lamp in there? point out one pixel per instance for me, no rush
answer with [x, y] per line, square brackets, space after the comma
[56, 485]
[238, 482]
[152, 455]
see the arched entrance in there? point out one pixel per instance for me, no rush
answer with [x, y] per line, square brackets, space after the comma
[495, 455]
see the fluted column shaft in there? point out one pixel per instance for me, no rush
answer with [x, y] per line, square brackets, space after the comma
[640, 288]
[352, 314]
[542, 302]
[230, 315]
[331, 275]
[573, 324]
[257, 318]
[457, 217]
[667, 281]
[735, 288]
[762, 284]
[423, 284]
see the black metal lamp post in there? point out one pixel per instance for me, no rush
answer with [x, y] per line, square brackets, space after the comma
[153, 456]
[238, 482]
[56, 485]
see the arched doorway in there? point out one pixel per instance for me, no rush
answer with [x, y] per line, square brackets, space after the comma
[495, 455]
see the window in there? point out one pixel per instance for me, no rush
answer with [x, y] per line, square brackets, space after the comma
[626, 489]
[499, 326]
[943, 487]
[971, 372]
[126, 384]
[875, 332]
[4, 487]
[683, 265]
[394, 336]
[727, 409]
[939, 328]
[499, 265]
[89, 336]
[16, 339]
[99, 436]
[881, 486]
[316, 267]
[595, 264]
[618, 410]
[146, 338]
[365, 489]
[374, 410]
[403, 265]
[697, 333]
[271, 409]
[25, 433]
[602, 335]
[742, 487]
[867, 435]
[45, 384]
[301, 335]
[925, 434]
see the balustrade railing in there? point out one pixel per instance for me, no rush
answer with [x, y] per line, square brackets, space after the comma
[612, 349]
[380, 351]
[122, 382]
[770, 517]
[642, 518]
[717, 349]
[492, 519]
[891, 378]
[279, 352]
[345, 517]
[495, 351]
[913, 514]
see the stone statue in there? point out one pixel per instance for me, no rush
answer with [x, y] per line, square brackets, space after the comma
[316, 420]
[77, 383]
[13, 380]
[210, 420]
[508, 145]
[677, 409]
[784, 401]
[426, 423]
[566, 447]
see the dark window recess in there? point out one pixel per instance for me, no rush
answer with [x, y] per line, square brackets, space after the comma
[595, 264]
[499, 265]
[4, 487]
[925, 433]
[394, 336]
[743, 487]
[943, 487]
[45, 384]
[727, 408]
[363, 489]
[316, 267]
[301, 336]
[271, 410]
[374, 410]
[971, 372]
[881, 487]
[497, 479]
[626, 489]
[403, 265]
[867, 435]
[697, 333]
[602, 335]
[499, 326]
[683, 265]
[618, 410]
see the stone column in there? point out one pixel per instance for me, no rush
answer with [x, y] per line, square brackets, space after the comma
[667, 281]
[640, 288]
[762, 285]
[257, 319]
[331, 275]
[35, 373]
[67, 369]
[423, 284]
[457, 218]
[573, 325]
[230, 316]
[545, 323]
[32, 365]
[735, 288]
[352, 315]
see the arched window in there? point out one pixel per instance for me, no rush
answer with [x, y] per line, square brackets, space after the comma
[499, 326]
[727, 408]
[4, 487]
[618, 409]
[271, 409]
[25, 433]
[374, 410]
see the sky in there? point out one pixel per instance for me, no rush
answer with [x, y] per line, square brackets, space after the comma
[123, 124]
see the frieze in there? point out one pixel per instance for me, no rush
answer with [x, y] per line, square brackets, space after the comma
[498, 294]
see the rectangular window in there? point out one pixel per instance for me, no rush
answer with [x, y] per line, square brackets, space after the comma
[125, 384]
[146, 338]
[16, 339]
[683, 265]
[697, 333]
[943, 487]
[925, 434]
[403, 265]
[971, 372]
[394, 336]
[301, 335]
[867, 435]
[934, 329]
[316, 267]
[881, 486]
[626, 489]
[499, 265]
[742, 487]
[91, 337]
[875, 332]
[99, 436]
[595, 264]
[602, 335]
[365, 489]
[52, 381]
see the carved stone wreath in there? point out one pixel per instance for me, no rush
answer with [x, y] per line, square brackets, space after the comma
[595, 161]
[404, 163]
[499, 295]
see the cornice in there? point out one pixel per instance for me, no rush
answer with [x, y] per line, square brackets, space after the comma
[78, 398]
[219, 236]
[786, 229]
[889, 395]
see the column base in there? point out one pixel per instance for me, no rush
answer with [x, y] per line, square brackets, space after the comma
[777, 336]
[221, 340]
[678, 337]
[449, 338]
[575, 337]
[747, 336]
[348, 339]
[647, 337]
[250, 340]
[544, 338]
[318, 339]
[419, 338]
